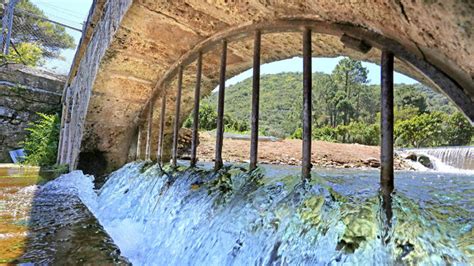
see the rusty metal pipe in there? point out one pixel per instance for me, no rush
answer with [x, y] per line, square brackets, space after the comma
[255, 101]
[176, 118]
[307, 108]
[386, 130]
[159, 154]
[220, 108]
[148, 132]
[197, 95]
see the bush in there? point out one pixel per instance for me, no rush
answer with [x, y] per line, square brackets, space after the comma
[459, 130]
[208, 120]
[298, 134]
[425, 130]
[325, 133]
[29, 54]
[362, 133]
[41, 144]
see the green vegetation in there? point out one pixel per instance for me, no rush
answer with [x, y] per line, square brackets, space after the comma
[31, 54]
[345, 109]
[208, 120]
[35, 39]
[41, 144]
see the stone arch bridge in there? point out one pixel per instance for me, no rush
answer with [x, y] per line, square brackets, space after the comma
[132, 53]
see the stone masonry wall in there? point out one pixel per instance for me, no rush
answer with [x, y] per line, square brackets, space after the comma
[23, 93]
[104, 19]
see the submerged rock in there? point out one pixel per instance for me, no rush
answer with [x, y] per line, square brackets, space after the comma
[425, 161]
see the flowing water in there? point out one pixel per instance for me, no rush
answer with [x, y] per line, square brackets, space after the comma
[47, 223]
[448, 158]
[268, 217]
[197, 217]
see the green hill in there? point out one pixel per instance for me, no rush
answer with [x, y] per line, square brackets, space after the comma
[281, 102]
[345, 109]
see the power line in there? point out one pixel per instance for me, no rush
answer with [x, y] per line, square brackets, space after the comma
[65, 12]
[46, 19]
[60, 8]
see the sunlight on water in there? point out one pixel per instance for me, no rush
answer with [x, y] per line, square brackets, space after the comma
[233, 218]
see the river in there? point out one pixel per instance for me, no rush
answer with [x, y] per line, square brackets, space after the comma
[197, 217]
[45, 223]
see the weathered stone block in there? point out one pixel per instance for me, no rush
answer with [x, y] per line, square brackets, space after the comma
[23, 93]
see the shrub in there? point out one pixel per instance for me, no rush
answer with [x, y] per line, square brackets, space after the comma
[41, 144]
[28, 53]
[325, 133]
[298, 134]
[459, 130]
[208, 120]
[362, 133]
[425, 130]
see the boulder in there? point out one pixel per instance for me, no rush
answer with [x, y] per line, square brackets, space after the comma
[425, 161]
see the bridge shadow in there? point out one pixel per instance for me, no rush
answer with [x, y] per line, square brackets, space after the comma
[46, 224]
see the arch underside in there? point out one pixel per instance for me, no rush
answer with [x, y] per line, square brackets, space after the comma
[152, 41]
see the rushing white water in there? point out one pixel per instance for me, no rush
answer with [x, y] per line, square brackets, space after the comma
[200, 218]
[449, 158]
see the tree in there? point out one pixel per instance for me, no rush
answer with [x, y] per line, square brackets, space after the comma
[459, 131]
[349, 75]
[425, 130]
[408, 96]
[31, 54]
[31, 31]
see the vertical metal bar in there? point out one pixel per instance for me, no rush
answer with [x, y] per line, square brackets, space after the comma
[7, 23]
[159, 154]
[148, 131]
[176, 118]
[139, 143]
[220, 109]
[255, 101]
[386, 126]
[197, 95]
[307, 108]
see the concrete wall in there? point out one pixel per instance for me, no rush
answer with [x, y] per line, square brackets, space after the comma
[23, 93]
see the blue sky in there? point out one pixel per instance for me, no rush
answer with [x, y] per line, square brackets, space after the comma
[74, 13]
[325, 65]
[69, 12]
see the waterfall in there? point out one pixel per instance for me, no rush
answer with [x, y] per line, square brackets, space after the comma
[461, 157]
[199, 217]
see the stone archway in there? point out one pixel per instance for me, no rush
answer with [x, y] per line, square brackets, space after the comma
[148, 39]
[408, 63]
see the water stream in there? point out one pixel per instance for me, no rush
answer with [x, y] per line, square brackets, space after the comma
[196, 217]
[48, 224]
[448, 158]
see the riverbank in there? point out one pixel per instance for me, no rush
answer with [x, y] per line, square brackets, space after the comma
[288, 151]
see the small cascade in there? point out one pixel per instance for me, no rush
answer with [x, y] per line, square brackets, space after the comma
[198, 217]
[448, 158]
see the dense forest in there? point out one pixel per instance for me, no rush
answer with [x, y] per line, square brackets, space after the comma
[345, 109]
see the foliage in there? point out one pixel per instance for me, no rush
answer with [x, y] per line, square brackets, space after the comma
[459, 131]
[346, 109]
[358, 132]
[35, 38]
[41, 144]
[325, 133]
[29, 54]
[423, 130]
[406, 97]
[208, 120]
[355, 132]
